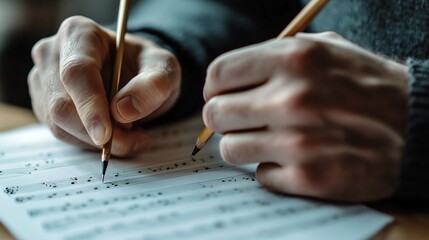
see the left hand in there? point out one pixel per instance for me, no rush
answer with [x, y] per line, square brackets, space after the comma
[323, 117]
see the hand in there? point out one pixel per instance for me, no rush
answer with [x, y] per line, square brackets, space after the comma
[323, 117]
[67, 85]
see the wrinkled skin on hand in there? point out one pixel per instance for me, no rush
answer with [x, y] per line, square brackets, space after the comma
[323, 117]
[68, 80]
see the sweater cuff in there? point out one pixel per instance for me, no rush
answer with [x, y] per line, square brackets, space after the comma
[414, 181]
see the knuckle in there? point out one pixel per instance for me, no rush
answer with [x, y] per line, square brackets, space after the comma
[318, 179]
[298, 57]
[306, 179]
[32, 78]
[162, 84]
[73, 67]
[40, 50]
[170, 62]
[296, 100]
[331, 34]
[155, 89]
[209, 113]
[279, 183]
[282, 107]
[58, 132]
[218, 71]
[123, 148]
[72, 24]
[236, 152]
[60, 109]
[292, 146]
[298, 143]
[303, 98]
[167, 63]
[86, 108]
[300, 96]
[225, 151]
[213, 71]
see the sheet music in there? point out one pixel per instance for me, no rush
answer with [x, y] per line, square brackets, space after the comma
[51, 190]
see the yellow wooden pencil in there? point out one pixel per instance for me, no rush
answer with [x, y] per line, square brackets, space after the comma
[298, 24]
[120, 35]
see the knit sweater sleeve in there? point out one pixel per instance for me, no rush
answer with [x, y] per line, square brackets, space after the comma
[197, 31]
[414, 182]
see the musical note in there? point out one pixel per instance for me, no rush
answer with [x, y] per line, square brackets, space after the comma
[55, 189]
[145, 207]
[109, 185]
[39, 165]
[193, 165]
[208, 189]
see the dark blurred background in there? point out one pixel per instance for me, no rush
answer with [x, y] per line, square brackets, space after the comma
[23, 23]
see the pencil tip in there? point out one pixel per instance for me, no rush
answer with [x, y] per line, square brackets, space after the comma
[103, 170]
[195, 151]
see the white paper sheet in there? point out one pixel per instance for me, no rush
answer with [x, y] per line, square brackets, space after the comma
[51, 190]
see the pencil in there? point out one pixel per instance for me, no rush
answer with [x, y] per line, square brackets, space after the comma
[120, 35]
[298, 24]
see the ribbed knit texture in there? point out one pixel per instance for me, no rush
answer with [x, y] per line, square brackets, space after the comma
[397, 29]
[414, 184]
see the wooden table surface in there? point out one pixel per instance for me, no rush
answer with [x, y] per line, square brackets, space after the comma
[409, 224]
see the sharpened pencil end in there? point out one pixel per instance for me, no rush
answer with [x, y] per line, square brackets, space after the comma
[103, 169]
[195, 151]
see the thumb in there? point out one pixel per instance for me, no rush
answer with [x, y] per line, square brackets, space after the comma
[153, 90]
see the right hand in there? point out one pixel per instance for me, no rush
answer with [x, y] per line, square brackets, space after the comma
[71, 70]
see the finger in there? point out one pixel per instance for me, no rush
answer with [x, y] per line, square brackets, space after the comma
[328, 36]
[39, 104]
[125, 142]
[37, 98]
[64, 136]
[129, 142]
[52, 103]
[238, 69]
[234, 112]
[53, 106]
[63, 114]
[283, 147]
[68, 127]
[42, 53]
[81, 58]
[287, 180]
[343, 52]
[336, 174]
[364, 132]
[43, 56]
[154, 89]
[345, 91]
[275, 105]
[254, 65]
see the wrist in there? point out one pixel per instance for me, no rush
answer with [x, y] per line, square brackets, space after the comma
[399, 75]
[413, 185]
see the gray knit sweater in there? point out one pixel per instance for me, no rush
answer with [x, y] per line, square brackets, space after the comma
[398, 29]
[199, 30]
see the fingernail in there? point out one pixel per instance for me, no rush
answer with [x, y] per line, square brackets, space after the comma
[98, 132]
[129, 108]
